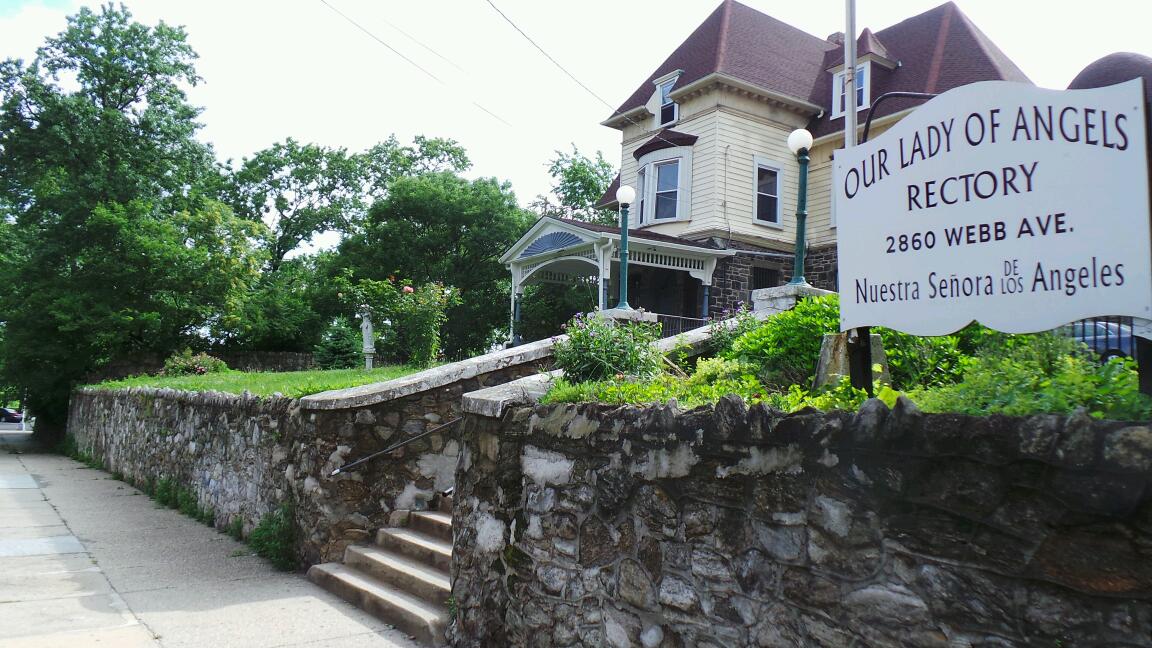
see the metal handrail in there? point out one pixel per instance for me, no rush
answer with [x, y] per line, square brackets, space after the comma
[394, 447]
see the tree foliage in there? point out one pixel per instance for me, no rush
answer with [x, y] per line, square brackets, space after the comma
[119, 249]
[440, 227]
[578, 182]
[299, 190]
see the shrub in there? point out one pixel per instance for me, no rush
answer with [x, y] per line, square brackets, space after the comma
[274, 538]
[786, 348]
[1045, 373]
[407, 318]
[598, 348]
[340, 347]
[731, 325]
[186, 363]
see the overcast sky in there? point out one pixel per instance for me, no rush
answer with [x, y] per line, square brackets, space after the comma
[296, 68]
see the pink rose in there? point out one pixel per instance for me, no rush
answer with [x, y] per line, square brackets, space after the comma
[408, 290]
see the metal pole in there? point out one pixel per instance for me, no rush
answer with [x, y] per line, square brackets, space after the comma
[801, 220]
[516, 300]
[860, 350]
[623, 257]
[850, 74]
[704, 305]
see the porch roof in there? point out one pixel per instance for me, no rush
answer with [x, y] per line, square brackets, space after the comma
[550, 235]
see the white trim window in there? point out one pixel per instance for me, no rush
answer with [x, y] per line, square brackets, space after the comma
[641, 176]
[669, 110]
[767, 180]
[667, 190]
[840, 99]
[663, 186]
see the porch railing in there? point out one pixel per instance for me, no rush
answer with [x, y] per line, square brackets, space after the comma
[673, 325]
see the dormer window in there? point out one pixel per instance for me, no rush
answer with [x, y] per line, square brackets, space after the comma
[669, 110]
[661, 104]
[839, 84]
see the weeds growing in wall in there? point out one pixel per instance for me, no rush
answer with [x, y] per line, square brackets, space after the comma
[274, 538]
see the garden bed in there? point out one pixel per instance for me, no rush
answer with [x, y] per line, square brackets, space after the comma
[975, 371]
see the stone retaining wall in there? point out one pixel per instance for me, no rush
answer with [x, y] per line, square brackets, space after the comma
[588, 525]
[244, 455]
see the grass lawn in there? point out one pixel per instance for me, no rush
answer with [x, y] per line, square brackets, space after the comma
[293, 384]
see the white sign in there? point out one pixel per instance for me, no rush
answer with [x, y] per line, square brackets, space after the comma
[1019, 207]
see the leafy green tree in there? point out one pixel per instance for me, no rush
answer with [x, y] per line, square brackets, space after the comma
[300, 190]
[389, 160]
[438, 227]
[578, 182]
[285, 310]
[120, 250]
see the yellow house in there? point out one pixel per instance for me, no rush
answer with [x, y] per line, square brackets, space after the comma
[704, 144]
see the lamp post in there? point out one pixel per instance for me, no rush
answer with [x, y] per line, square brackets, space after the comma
[799, 142]
[624, 195]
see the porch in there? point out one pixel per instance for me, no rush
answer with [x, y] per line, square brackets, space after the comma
[667, 275]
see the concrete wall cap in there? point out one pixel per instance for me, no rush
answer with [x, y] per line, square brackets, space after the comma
[427, 379]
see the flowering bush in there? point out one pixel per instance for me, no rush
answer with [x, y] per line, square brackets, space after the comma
[598, 348]
[186, 363]
[407, 318]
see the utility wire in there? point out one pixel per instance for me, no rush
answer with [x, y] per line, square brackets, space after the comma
[381, 41]
[410, 61]
[572, 76]
[547, 55]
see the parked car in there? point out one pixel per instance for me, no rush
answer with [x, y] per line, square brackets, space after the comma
[10, 416]
[1108, 339]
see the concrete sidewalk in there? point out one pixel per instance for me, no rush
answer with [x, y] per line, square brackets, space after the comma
[86, 560]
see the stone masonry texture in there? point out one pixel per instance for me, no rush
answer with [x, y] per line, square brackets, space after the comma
[732, 280]
[243, 456]
[592, 525]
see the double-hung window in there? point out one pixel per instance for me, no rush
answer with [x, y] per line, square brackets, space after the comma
[667, 189]
[767, 180]
[840, 84]
[664, 186]
[641, 176]
[669, 110]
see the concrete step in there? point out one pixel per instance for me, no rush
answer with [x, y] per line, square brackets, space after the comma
[434, 523]
[430, 550]
[403, 572]
[417, 617]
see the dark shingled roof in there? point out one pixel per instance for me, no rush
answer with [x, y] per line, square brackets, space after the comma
[743, 43]
[868, 43]
[1113, 69]
[938, 50]
[635, 233]
[608, 200]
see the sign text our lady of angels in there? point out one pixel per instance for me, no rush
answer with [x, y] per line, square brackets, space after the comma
[1019, 207]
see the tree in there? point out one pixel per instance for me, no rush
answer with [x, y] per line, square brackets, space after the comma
[440, 227]
[300, 190]
[578, 182]
[285, 310]
[103, 182]
[389, 160]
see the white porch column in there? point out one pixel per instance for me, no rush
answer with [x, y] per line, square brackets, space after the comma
[604, 264]
[514, 305]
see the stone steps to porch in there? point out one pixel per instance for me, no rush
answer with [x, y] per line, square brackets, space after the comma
[403, 578]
